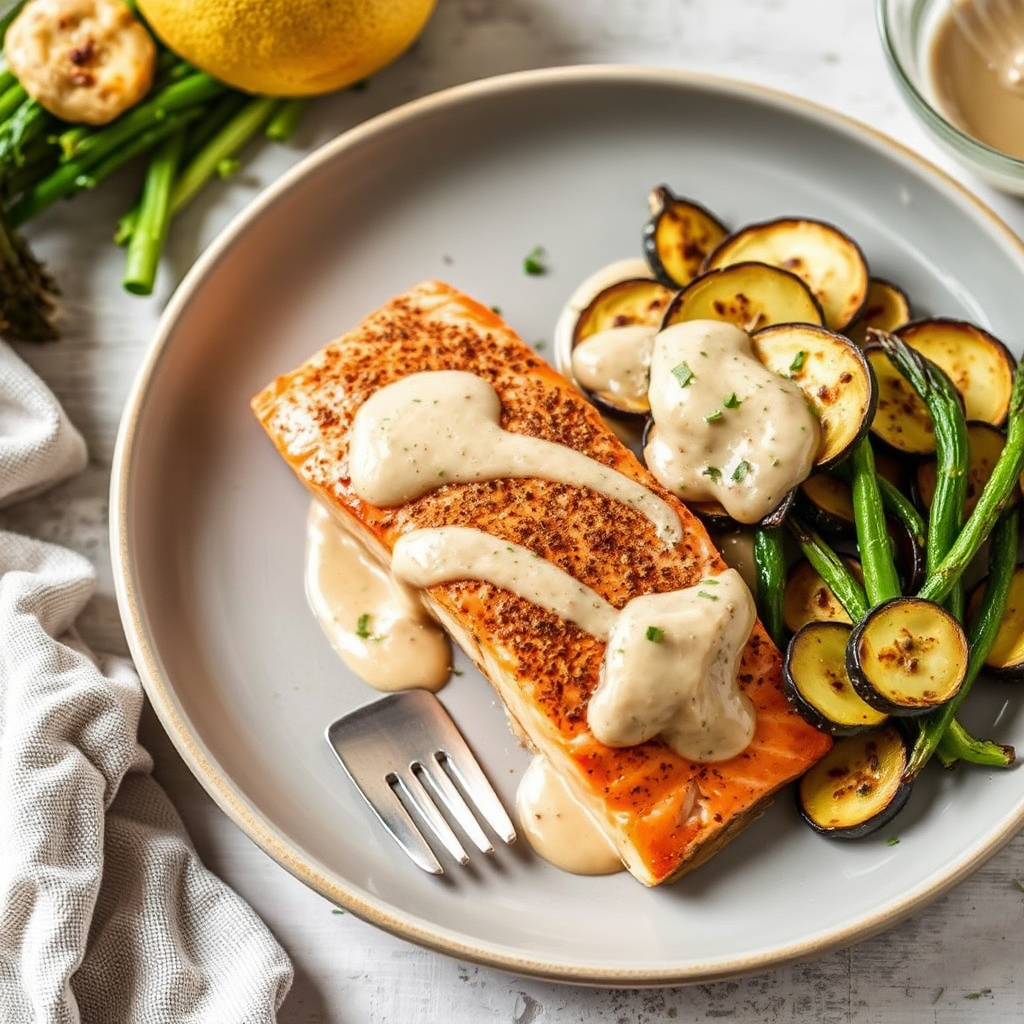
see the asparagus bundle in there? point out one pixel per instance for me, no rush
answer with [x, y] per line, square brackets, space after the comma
[189, 128]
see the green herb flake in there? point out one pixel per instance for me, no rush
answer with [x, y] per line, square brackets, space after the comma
[496, 310]
[893, 841]
[683, 374]
[714, 417]
[335, 910]
[533, 262]
[711, 583]
[741, 470]
[227, 166]
[457, 672]
[363, 626]
[731, 401]
[712, 471]
[539, 345]
[704, 593]
[798, 362]
[655, 634]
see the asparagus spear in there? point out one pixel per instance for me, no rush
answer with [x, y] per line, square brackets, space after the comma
[26, 290]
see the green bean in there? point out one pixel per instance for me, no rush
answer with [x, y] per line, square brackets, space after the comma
[995, 495]
[830, 567]
[982, 635]
[938, 393]
[771, 580]
[881, 581]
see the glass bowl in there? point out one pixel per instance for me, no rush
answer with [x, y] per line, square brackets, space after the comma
[907, 28]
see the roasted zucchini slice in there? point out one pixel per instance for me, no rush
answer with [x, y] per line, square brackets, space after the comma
[749, 295]
[612, 343]
[637, 300]
[582, 295]
[907, 656]
[1006, 658]
[885, 309]
[858, 786]
[829, 261]
[979, 365]
[833, 374]
[911, 557]
[827, 503]
[678, 237]
[901, 419]
[808, 598]
[984, 445]
[817, 684]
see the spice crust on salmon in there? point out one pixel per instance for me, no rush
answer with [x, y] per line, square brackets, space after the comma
[665, 814]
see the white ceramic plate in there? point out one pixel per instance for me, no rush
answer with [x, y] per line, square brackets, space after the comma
[208, 522]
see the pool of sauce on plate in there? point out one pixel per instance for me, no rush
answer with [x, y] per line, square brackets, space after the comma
[558, 827]
[379, 626]
[985, 102]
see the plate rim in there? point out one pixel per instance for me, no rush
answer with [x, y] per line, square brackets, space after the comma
[201, 762]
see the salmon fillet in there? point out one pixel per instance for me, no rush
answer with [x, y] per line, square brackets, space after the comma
[664, 813]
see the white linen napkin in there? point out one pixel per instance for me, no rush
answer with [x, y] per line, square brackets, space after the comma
[107, 915]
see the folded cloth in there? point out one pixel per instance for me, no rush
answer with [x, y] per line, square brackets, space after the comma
[106, 913]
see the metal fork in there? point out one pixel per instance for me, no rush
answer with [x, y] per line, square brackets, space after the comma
[405, 754]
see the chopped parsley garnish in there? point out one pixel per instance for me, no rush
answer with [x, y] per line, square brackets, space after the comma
[683, 374]
[731, 401]
[533, 262]
[457, 672]
[893, 841]
[363, 626]
[704, 593]
[798, 362]
[539, 345]
[496, 310]
[712, 471]
[655, 634]
[711, 583]
[714, 417]
[741, 470]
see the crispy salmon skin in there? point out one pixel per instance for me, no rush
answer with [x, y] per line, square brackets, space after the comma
[665, 814]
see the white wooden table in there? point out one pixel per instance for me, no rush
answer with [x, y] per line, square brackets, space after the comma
[960, 960]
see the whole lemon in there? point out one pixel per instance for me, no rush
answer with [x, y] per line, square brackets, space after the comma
[288, 47]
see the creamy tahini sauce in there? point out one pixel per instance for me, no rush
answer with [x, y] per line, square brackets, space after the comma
[670, 670]
[986, 102]
[727, 428]
[671, 659]
[616, 362]
[444, 426]
[441, 555]
[620, 270]
[378, 626]
[558, 827]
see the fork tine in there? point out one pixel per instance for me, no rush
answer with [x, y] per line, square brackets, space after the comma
[467, 771]
[391, 813]
[416, 793]
[446, 792]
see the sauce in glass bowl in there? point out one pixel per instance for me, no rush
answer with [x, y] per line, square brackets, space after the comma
[975, 96]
